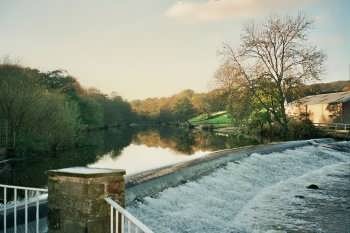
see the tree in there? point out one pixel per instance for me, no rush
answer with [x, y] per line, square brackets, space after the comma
[37, 118]
[91, 111]
[258, 119]
[239, 99]
[117, 111]
[60, 80]
[184, 109]
[19, 96]
[165, 115]
[274, 61]
[213, 101]
[56, 122]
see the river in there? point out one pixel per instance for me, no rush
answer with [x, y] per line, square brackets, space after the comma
[132, 149]
[259, 193]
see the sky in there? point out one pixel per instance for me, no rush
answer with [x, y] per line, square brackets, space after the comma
[150, 48]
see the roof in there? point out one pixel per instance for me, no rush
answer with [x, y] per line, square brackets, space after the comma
[337, 97]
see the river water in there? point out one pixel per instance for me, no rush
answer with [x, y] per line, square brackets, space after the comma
[132, 149]
[261, 193]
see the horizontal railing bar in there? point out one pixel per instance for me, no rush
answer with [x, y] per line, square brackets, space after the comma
[332, 123]
[337, 127]
[131, 218]
[23, 188]
[20, 204]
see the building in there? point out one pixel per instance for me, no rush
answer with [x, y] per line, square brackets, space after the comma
[324, 108]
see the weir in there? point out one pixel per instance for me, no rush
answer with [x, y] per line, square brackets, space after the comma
[154, 181]
[262, 192]
[69, 187]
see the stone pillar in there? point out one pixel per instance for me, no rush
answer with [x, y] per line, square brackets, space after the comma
[76, 199]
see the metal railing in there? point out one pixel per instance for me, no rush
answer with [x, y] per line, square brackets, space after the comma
[333, 126]
[121, 221]
[21, 209]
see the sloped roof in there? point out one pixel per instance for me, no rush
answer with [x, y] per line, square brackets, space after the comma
[337, 97]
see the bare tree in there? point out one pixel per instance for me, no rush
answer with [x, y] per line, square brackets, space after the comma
[275, 60]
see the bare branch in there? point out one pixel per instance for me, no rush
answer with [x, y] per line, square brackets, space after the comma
[274, 59]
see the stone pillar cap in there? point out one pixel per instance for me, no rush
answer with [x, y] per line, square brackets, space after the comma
[86, 172]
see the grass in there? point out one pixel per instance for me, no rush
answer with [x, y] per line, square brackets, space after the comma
[218, 118]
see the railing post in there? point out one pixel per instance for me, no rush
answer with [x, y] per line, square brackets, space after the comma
[76, 199]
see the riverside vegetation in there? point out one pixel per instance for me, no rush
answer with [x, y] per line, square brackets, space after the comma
[48, 111]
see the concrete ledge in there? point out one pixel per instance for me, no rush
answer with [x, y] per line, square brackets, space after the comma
[151, 182]
[86, 172]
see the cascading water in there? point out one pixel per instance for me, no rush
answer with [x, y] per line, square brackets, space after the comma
[261, 193]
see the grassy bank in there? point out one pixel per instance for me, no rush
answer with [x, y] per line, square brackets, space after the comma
[217, 119]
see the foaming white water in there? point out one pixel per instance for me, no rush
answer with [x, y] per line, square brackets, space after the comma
[221, 201]
[288, 205]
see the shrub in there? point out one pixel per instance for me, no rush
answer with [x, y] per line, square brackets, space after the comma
[302, 130]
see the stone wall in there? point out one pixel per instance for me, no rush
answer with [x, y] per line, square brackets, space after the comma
[76, 199]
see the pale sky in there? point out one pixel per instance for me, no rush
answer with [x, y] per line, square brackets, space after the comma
[141, 48]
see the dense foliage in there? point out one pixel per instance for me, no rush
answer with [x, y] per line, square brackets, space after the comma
[179, 107]
[47, 111]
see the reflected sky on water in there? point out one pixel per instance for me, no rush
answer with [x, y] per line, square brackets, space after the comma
[133, 149]
[136, 158]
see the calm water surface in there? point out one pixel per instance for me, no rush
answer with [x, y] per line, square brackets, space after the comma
[135, 158]
[134, 150]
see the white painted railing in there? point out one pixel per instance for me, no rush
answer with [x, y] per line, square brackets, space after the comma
[20, 205]
[122, 221]
[334, 126]
[20, 212]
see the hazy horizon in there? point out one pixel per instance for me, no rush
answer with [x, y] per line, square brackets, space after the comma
[141, 50]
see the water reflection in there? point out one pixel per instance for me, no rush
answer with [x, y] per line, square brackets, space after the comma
[179, 141]
[132, 149]
[137, 158]
[188, 142]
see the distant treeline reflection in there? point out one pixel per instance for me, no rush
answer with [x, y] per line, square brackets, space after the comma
[187, 142]
[31, 170]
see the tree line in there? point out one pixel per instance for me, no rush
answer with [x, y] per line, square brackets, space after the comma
[179, 107]
[47, 111]
[50, 111]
